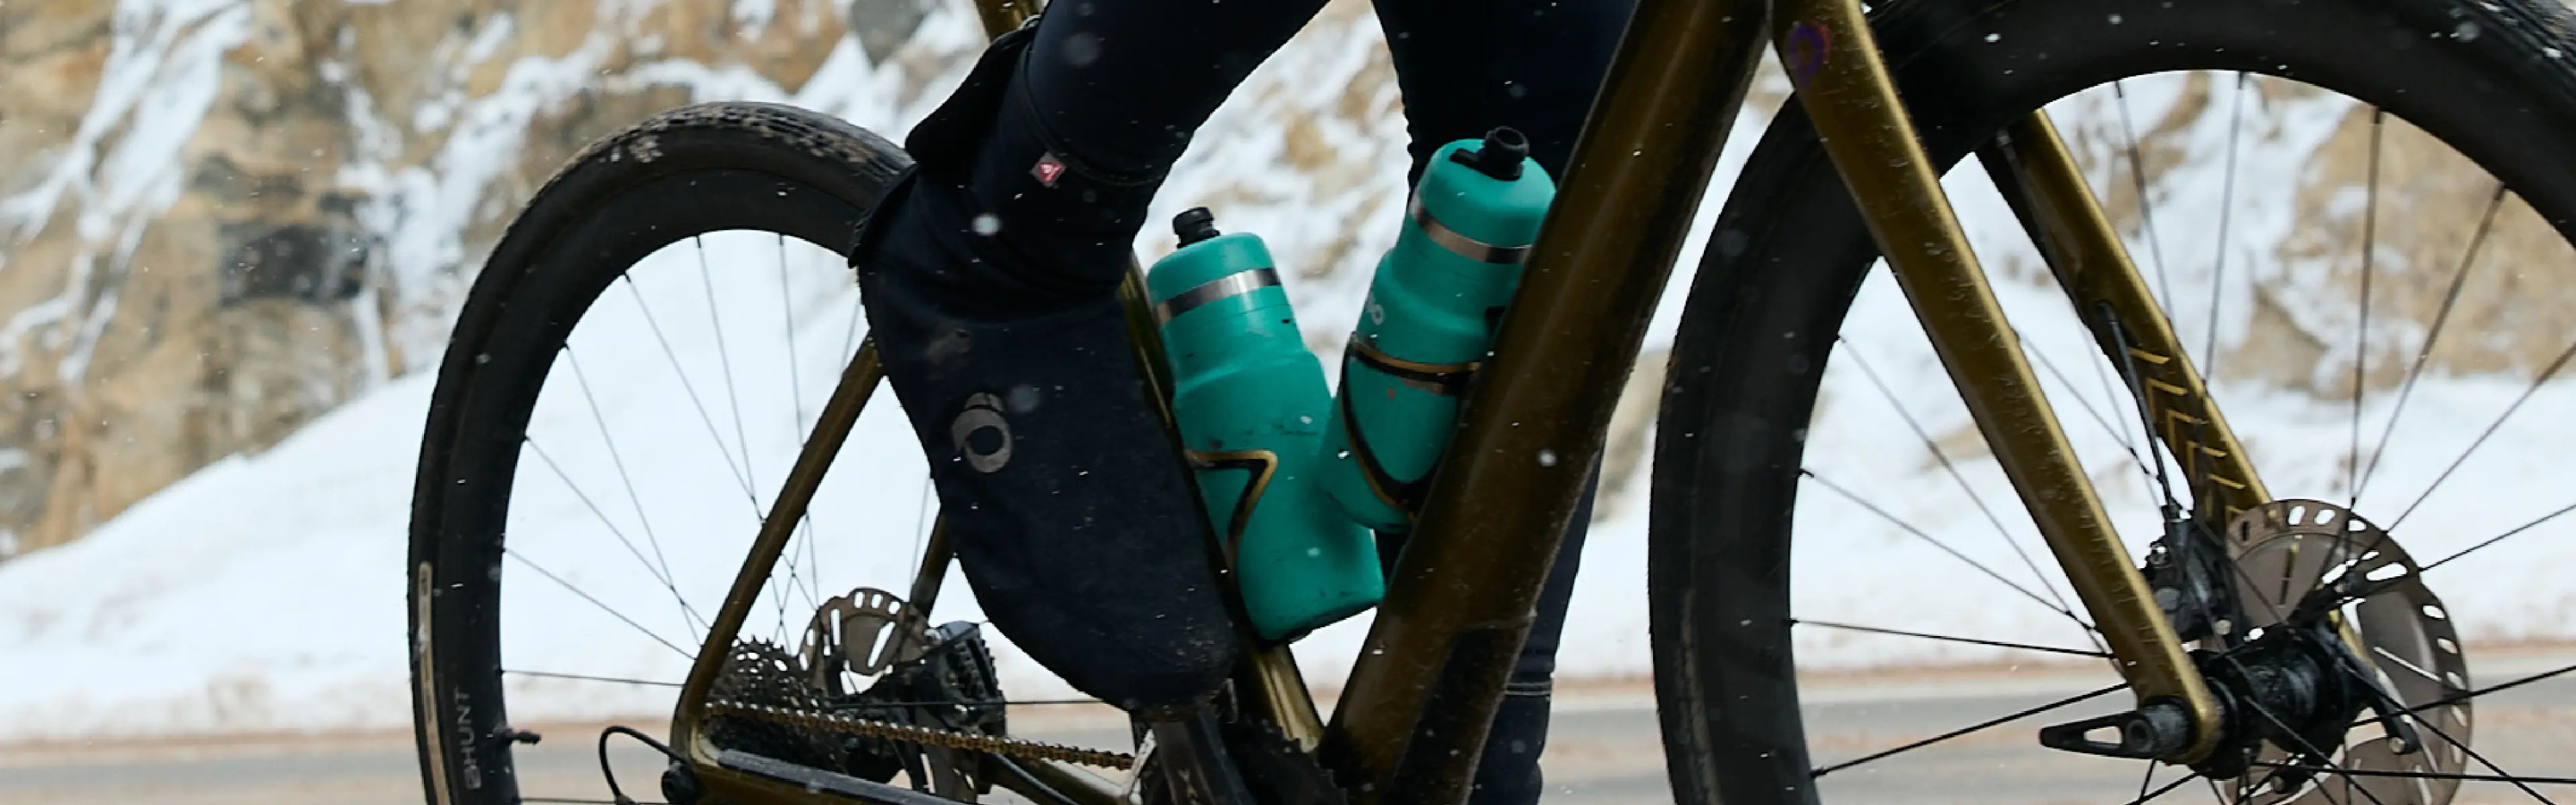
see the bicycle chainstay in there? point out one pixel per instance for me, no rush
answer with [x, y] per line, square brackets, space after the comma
[927, 736]
[763, 683]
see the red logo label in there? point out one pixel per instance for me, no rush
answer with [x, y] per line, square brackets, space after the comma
[1047, 169]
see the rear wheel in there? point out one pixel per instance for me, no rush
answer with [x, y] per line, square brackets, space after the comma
[635, 370]
[2355, 213]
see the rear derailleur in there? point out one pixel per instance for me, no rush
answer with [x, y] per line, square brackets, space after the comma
[937, 680]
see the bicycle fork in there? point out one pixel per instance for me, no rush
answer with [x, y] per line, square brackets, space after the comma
[1852, 101]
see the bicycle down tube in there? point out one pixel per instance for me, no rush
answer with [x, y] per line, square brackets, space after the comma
[1422, 694]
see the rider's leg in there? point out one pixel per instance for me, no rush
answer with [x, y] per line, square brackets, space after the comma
[1466, 66]
[1508, 773]
[989, 276]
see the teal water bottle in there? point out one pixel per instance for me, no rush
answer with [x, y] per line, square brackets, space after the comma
[1429, 321]
[1251, 404]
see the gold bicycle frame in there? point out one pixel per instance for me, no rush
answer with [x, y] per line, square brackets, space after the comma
[1421, 696]
[1413, 716]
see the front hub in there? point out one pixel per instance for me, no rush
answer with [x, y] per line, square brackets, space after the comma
[2326, 652]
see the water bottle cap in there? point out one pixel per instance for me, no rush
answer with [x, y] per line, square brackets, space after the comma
[1458, 193]
[1194, 224]
[1498, 157]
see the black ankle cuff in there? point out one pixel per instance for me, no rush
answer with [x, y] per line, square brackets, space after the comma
[944, 143]
[1058, 222]
[1050, 205]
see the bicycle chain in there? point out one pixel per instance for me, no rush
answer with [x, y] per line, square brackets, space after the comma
[946, 739]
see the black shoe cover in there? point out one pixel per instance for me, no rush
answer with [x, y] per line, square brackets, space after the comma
[1065, 496]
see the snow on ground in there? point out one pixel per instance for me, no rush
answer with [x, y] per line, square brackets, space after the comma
[265, 592]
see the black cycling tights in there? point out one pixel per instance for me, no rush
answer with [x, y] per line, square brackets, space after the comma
[1124, 83]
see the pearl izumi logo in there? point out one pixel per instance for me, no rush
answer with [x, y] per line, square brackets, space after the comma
[1047, 169]
[983, 438]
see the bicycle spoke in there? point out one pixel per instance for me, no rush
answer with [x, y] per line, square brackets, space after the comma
[1955, 475]
[2046, 244]
[689, 615]
[2128, 439]
[850, 339]
[1945, 548]
[2226, 204]
[2346, 667]
[733, 402]
[1970, 640]
[2145, 796]
[2421, 775]
[2138, 179]
[2303, 744]
[612, 611]
[2457, 698]
[2061, 703]
[2463, 746]
[2536, 382]
[724, 359]
[2424, 353]
[2266, 714]
[2500, 537]
[692, 391]
[796, 407]
[589, 678]
[2126, 444]
[2136, 383]
[2361, 335]
[613, 530]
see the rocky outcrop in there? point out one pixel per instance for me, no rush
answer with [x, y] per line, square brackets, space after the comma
[220, 219]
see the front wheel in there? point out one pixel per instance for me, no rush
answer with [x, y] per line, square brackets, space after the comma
[2355, 214]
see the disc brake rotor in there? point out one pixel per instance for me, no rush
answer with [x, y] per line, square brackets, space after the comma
[2404, 638]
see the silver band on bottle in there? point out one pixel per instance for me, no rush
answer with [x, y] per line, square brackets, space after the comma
[1462, 245]
[1230, 285]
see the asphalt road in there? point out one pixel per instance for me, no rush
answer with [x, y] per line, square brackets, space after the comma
[1603, 749]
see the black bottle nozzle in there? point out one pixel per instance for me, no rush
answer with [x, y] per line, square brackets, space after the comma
[1498, 157]
[1194, 224]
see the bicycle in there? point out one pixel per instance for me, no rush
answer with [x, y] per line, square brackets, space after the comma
[2346, 676]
